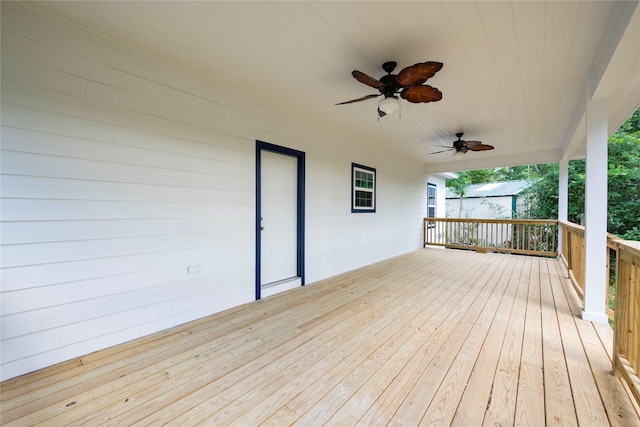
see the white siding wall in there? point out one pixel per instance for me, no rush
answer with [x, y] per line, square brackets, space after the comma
[440, 182]
[119, 171]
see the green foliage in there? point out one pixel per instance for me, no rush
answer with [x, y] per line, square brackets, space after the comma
[624, 184]
[460, 184]
[631, 125]
[509, 173]
[544, 192]
[482, 176]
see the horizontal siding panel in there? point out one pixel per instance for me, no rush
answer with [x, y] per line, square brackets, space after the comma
[50, 124]
[25, 345]
[214, 270]
[39, 210]
[60, 231]
[45, 253]
[60, 354]
[198, 287]
[185, 158]
[29, 187]
[18, 278]
[16, 163]
[40, 99]
[22, 346]
[133, 112]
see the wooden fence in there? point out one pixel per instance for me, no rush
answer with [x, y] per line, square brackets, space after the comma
[515, 236]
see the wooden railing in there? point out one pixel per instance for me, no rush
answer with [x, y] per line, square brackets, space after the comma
[626, 342]
[515, 236]
[624, 257]
[573, 254]
[573, 257]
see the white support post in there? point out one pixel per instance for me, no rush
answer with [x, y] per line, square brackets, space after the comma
[595, 275]
[563, 198]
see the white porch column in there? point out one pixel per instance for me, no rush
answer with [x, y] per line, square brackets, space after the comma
[563, 197]
[595, 286]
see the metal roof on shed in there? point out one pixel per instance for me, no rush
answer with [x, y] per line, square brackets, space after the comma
[493, 189]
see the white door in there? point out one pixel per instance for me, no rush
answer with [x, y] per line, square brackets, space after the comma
[279, 226]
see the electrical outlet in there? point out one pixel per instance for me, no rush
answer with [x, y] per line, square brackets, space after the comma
[193, 269]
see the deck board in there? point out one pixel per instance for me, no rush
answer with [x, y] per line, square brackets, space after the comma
[474, 401]
[433, 337]
[560, 410]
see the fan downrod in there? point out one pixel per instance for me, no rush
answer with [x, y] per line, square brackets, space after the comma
[459, 134]
[389, 66]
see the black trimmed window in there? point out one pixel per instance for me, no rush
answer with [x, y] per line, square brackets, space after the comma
[432, 197]
[363, 188]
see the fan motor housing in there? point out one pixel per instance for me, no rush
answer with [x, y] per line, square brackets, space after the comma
[389, 66]
[390, 85]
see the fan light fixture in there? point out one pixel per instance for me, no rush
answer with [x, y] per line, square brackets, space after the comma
[389, 104]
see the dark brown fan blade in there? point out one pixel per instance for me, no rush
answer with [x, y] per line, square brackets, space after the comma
[364, 98]
[470, 144]
[442, 151]
[424, 93]
[418, 73]
[368, 80]
[480, 147]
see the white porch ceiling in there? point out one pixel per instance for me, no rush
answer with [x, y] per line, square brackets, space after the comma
[516, 74]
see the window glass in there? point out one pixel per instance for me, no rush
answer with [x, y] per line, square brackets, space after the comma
[363, 193]
[432, 191]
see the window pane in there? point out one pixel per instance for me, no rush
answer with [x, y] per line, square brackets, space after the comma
[364, 186]
[363, 179]
[431, 200]
[364, 199]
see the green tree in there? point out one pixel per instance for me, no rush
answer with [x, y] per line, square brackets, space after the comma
[459, 187]
[624, 185]
[631, 125]
[544, 193]
[482, 175]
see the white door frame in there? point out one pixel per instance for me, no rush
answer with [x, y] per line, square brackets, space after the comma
[300, 156]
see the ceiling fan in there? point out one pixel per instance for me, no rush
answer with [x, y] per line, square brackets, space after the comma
[408, 83]
[461, 146]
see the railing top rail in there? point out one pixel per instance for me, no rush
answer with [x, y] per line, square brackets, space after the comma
[506, 220]
[611, 241]
[576, 228]
[579, 229]
[628, 245]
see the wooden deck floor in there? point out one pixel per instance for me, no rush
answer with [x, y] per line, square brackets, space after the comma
[434, 337]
